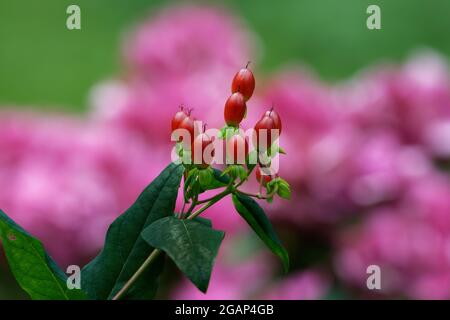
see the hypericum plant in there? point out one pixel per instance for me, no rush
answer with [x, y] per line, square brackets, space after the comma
[131, 261]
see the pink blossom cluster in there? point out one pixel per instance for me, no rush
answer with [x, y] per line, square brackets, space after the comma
[65, 180]
[364, 159]
[372, 152]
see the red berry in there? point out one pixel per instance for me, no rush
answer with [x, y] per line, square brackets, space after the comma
[263, 132]
[202, 150]
[178, 117]
[264, 174]
[237, 149]
[235, 109]
[188, 124]
[244, 82]
[276, 118]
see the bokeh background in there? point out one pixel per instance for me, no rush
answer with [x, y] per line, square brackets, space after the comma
[84, 126]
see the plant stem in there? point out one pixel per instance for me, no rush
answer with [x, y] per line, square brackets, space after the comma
[191, 208]
[212, 198]
[155, 253]
[209, 204]
[254, 195]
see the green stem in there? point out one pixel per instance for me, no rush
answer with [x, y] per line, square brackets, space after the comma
[155, 253]
[254, 195]
[191, 208]
[209, 204]
[226, 191]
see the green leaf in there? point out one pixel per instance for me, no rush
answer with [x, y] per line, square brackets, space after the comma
[216, 179]
[236, 171]
[222, 180]
[258, 221]
[203, 221]
[125, 251]
[33, 268]
[281, 150]
[242, 173]
[192, 245]
[272, 186]
[284, 190]
[206, 178]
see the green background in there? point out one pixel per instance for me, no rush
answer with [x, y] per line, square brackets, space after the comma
[44, 65]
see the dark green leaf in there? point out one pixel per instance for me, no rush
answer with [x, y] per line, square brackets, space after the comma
[33, 268]
[222, 180]
[192, 245]
[125, 251]
[258, 221]
[204, 221]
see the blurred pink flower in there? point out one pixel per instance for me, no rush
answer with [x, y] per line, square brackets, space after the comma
[229, 280]
[306, 285]
[66, 181]
[410, 243]
[185, 40]
[177, 58]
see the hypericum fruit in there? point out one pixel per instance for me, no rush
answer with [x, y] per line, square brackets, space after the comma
[244, 82]
[179, 117]
[263, 132]
[275, 117]
[237, 149]
[188, 124]
[235, 109]
[199, 157]
[264, 174]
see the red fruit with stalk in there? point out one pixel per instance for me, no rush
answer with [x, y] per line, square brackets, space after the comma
[179, 117]
[244, 82]
[263, 133]
[235, 109]
[202, 143]
[275, 117]
[237, 149]
[188, 124]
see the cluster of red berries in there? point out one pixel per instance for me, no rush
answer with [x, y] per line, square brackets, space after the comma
[242, 89]
[237, 149]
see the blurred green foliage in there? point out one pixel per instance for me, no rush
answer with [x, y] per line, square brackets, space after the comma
[44, 64]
